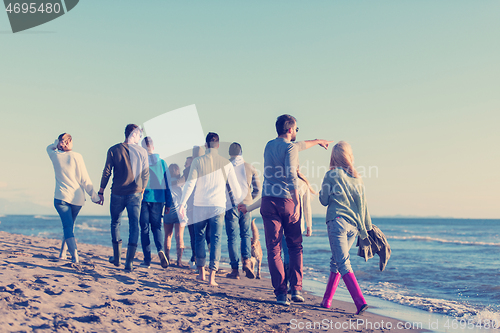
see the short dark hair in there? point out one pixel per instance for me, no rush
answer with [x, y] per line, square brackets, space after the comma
[284, 123]
[235, 149]
[129, 129]
[147, 142]
[212, 140]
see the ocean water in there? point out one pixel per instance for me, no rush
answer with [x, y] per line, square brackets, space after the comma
[447, 267]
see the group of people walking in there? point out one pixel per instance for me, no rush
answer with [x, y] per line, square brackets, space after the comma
[213, 191]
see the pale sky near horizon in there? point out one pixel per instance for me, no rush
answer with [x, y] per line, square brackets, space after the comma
[413, 86]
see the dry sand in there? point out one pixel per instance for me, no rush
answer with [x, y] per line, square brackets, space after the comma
[39, 293]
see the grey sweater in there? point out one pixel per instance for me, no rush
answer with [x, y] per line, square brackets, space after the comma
[345, 197]
[281, 159]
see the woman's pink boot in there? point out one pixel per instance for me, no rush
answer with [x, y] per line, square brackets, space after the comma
[352, 285]
[331, 287]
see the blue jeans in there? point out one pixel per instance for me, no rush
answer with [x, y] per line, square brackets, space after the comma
[216, 223]
[237, 220]
[68, 213]
[132, 202]
[342, 235]
[151, 219]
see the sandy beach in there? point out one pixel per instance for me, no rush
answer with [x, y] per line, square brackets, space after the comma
[39, 293]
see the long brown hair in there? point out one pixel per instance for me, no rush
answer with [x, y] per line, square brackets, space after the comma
[342, 157]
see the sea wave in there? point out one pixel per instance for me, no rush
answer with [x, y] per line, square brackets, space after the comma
[441, 240]
[397, 293]
[85, 226]
[42, 217]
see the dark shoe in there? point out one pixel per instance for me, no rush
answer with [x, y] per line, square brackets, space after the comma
[248, 269]
[130, 258]
[117, 249]
[145, 264]
[235, 274]
[297, 296]
[362, 309]
[282, 299]
[164, 262]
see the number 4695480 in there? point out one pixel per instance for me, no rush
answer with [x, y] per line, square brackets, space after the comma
[32, 8]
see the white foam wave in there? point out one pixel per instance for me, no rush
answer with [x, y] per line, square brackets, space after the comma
[85, 226]
[399, 294]
[41, 217]
[441, 240]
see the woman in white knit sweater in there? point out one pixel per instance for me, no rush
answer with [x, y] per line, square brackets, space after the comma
[72, 180]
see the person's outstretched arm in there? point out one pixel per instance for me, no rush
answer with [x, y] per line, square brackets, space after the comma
[303, 145]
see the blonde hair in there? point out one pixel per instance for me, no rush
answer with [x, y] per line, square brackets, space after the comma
[301, 176]
[64, 139]
[342, 157]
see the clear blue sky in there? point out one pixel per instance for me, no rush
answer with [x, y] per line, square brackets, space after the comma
[412, 85]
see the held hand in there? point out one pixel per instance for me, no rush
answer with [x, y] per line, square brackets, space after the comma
[242, 208]
[101, 199]
[182, 211]
[324, 143]
[166, 211]
[309, 232]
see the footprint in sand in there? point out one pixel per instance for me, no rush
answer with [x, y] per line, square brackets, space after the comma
[83, 285]
[52, 293]
[127, 301]
[40, 255]
[40, 281]
[88, 319]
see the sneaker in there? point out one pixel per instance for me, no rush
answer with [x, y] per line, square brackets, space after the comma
[282, 299]
[297, 296]
[163, 259]
[145, 264]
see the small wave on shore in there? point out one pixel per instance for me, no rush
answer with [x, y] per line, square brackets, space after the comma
[461, 310]
[85, 226]
[42, 217]
[441, 240]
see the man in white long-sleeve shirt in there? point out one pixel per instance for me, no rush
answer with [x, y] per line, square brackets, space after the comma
[210, 173]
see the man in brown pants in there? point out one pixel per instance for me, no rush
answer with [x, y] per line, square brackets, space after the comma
[280, 207]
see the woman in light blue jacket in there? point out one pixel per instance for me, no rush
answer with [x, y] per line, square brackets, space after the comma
[346, 217]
